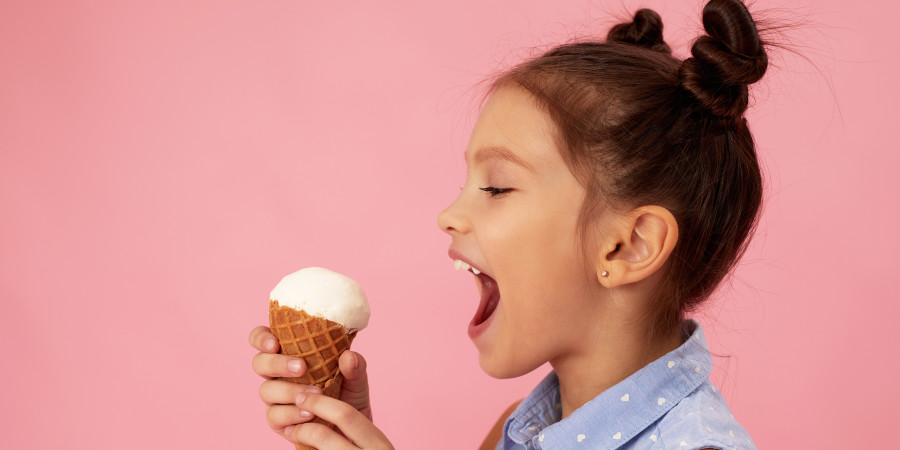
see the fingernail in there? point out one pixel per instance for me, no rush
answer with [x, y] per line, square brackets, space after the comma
[305, 414]
[299, 399]
[355, 360]
[288, 429]
[313, 390]
[270, 344]
[295, 366]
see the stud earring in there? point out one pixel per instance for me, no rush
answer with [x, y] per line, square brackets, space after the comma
[604, 273]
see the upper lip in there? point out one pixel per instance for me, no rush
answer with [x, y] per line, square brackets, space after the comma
[454, 255]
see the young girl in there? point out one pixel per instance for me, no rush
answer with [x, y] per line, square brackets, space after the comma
[610, 188]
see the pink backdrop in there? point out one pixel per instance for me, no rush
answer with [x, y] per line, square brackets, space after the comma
[164, 163]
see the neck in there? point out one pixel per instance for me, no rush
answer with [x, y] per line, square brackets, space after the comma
[610, 355]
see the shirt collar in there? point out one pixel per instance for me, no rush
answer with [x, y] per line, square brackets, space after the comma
[622, 411]
[539, 410]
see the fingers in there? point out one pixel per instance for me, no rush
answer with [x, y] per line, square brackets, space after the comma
[355, 387]
[351, 422]
[318, 436]
[262, 339]
[281, 411]
[281, 416]
[284, 392]
[271, 366]
[268, 363]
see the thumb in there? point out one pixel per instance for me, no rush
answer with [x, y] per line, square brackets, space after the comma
[355, 387]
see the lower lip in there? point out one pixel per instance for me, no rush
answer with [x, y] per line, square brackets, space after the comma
[477, 330]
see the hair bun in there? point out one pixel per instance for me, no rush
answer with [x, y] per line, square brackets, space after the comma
[726, 60]
[645, 31]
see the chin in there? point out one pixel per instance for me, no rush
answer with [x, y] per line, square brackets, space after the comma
[501, 368]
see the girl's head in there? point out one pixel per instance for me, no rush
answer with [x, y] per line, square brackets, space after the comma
[620, 159]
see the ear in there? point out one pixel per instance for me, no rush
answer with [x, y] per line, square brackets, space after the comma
[635, 245]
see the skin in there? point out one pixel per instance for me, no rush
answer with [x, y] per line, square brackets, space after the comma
[555, 306]
[290, 406]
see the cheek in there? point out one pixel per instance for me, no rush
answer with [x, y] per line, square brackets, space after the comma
[549, 248]
[526, 234]
[555, 278]
[543, 269]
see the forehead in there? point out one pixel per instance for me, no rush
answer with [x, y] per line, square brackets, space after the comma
[511, 119]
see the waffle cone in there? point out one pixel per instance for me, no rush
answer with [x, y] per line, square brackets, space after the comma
[318, 341]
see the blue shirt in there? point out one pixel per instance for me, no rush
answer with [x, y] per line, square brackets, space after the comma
[668, 404]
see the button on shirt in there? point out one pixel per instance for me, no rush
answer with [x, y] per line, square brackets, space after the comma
[668, 404]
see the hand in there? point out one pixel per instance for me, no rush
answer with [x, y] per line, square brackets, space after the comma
[280, 396]
[357, 431]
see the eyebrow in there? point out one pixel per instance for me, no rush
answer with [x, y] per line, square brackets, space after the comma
[502, 153]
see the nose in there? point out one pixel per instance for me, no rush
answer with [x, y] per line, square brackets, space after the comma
[453, 218]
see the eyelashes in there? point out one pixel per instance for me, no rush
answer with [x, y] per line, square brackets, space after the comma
[495, 191]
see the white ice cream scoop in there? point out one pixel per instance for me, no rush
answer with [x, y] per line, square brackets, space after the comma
[323, 293]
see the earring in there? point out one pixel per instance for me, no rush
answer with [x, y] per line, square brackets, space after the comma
[604, 273]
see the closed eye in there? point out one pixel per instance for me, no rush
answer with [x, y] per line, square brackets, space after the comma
[495, 191]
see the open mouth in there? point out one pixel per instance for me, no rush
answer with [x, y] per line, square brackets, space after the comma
[490, 293]
[490, 297]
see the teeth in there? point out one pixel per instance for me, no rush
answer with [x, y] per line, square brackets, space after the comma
[462, 265]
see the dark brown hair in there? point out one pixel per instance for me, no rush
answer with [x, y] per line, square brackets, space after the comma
[640, 127]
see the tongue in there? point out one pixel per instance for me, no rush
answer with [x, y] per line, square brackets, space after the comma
[490, 297]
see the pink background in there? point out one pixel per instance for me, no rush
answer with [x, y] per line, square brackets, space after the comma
[164, 163]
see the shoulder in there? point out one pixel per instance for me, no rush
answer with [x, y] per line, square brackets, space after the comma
[703, 420]
[496, 433]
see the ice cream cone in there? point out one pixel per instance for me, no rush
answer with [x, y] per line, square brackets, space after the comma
[319, 314]
[318, 341]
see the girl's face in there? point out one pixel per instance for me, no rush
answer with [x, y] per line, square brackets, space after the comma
[515, 222]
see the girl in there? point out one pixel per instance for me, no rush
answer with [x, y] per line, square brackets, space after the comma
[610, 189]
